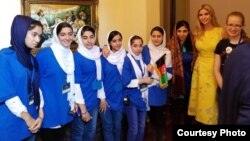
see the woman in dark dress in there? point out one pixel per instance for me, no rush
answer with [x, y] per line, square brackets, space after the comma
[183, 54]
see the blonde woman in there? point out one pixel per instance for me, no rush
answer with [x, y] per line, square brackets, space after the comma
[203, 102]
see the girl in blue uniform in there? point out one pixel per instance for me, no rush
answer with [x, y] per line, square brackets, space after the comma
[135, 79]
[19, 97]
[56, 75]
[157, 95]
[112, 68]
[88, 74]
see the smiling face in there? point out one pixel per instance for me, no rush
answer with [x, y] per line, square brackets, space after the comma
[204, 17]
[66, 36]
[33, 37]
[234, 26]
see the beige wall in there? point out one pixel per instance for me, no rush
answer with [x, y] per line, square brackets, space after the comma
[8, 10]
[153, 11]
[222, 8]
[181, 10]
[129, 17]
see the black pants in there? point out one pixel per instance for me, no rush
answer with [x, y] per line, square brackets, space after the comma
[179, 110]
[157, 117]
[58, 134]
[124, 128]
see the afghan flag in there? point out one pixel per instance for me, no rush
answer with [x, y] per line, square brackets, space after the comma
[161, 71]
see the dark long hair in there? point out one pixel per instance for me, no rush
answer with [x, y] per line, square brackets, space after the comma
[188, 42]
[112, 34]
[135, 37]
[157, 28]
[88, 28]
[63, 25]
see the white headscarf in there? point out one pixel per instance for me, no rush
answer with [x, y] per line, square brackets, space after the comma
[64, 57]
[138, 72]
[92, 54]
[116, 58]
[133, 57]
[157, 51]
[139, 57]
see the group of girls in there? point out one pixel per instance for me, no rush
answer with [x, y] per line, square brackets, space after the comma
[69, 89]
[59, 89]
[135, 78]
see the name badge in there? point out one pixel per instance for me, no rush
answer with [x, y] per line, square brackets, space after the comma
[96, 85]
[31, 99]
[66, 88]
[118, 87]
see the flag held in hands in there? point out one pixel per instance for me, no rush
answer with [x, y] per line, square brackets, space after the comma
[161, 71]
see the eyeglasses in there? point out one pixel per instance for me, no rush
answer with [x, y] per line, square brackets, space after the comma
[234, 26]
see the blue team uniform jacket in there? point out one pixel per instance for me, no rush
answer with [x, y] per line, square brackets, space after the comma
[112, 85]
[134, 94]
[13, 82]
[85, 75]
[156, 95]
[51, 79]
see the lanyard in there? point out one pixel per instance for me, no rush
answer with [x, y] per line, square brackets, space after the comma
[141, 66]
[30, 80]
[31, 75]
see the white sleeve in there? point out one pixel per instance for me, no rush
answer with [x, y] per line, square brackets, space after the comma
[16, 106]
[101, 93]
[41, 98]
[169, 64]
[78, 95]
[133, 83]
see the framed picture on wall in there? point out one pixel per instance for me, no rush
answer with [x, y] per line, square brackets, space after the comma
[50, 12]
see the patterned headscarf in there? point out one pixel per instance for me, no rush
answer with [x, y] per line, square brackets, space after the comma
[178, 73]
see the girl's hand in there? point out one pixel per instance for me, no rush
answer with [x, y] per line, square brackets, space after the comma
[30, 122]
[75, 108]
[37, 125]
[147, 80]
[38, 122]
[105, 51]
[103, 105]
[150, 68]
[84, 112]
[86, 117]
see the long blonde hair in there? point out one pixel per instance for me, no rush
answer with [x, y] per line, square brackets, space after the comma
[199, 28]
